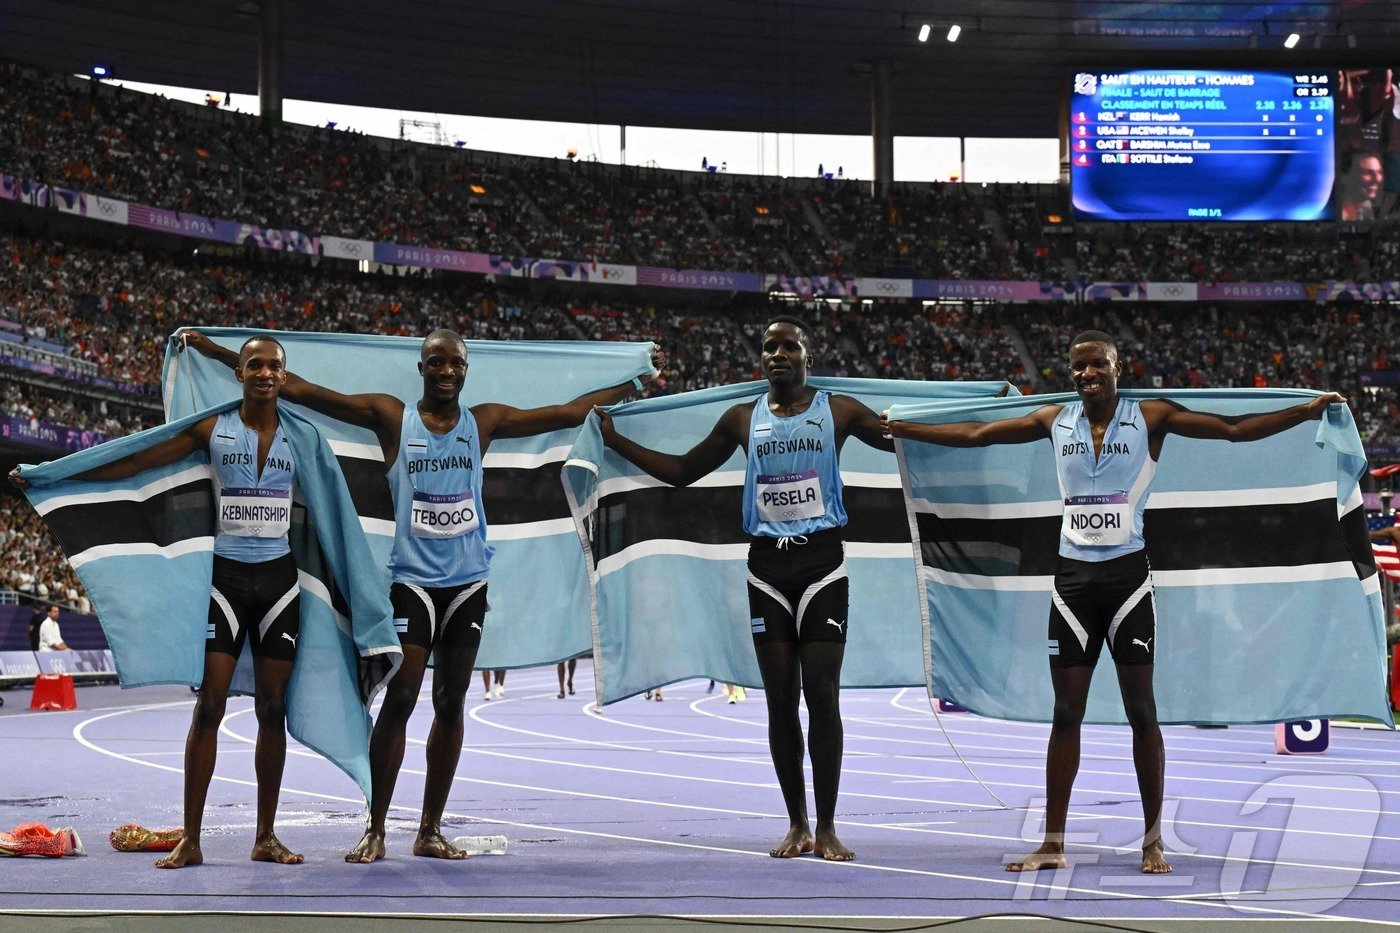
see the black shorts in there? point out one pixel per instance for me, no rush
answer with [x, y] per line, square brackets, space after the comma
[257, 602]
[798, 588]
[1102, 601]
[423, 613]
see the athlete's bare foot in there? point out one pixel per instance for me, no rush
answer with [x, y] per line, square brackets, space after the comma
[827, 846]
[1154, 860]
[186, 853]
[797, 842]
[370, 848]
[1047, 856]
[270, 849]
[433, 845]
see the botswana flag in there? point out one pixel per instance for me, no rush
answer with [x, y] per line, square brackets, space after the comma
[144, 549]
[538, 593]
[668, 565]
[1268, 603]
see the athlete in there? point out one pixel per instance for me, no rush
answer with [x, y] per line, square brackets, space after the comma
[440, 557]
[798, 590]
[1106, 456]
[255, 593]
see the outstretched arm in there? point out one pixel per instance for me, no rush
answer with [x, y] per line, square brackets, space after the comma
[683, 469]
[376, 411]
[1392, 534]
[855, 419]
[1171, 418]
[496, 420]
[193, 438]
[1022, 430]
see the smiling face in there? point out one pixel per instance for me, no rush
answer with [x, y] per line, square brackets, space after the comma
[786, 355]
[262, 368]
[1094, 369]
[443, 365]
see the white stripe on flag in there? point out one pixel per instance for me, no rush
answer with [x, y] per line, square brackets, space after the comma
[358, 451]
[1227, 498]
[139, 494]
[671, 548]
[502, 459]
[314, 586]
[541, 529]
[129, 549]
[1051, 508]
[618, 484]
[1223, 576]
[377, 526]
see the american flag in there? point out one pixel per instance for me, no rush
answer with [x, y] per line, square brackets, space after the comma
[1387, 554]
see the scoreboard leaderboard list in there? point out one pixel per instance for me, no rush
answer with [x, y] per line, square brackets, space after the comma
[1202, 145]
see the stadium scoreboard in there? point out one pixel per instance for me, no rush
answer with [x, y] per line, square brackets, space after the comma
[1178, 145]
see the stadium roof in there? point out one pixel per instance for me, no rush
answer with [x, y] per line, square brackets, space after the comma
[715, 64]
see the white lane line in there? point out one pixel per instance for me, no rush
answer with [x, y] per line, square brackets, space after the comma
[983, 835]
[1195, 900]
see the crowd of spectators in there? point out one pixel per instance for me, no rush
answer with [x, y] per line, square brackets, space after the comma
[323, 181]
[54, 406]
[30, 563]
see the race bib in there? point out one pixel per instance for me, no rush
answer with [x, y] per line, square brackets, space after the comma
[1097, 521]
[789, 496]
[444, 515]
[255, 513]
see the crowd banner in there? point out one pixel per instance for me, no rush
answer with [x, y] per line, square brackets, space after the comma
[701, 279]
[44, 434]
[341, 248]
[143, 548]
[811, 286]
[1268, 604]
[991, 290]
[667, 566]
[1141, 291]
[430, 257]
[884, 288]
[1359, 291]
[538, 592]
[1253, 291]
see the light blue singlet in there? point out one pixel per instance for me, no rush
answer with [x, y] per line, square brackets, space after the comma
[255, 512]
[1104, 498]
[792, 484]
[439, 523]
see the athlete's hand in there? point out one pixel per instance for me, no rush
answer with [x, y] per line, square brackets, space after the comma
[1317, 406]
[885, 428]
[194, 340]
[605, 426]
[658, 362]
[17, 481]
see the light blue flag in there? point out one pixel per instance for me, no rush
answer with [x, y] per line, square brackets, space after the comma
[668, 565]
[144, 547]
[1268, 603]
[538, 592]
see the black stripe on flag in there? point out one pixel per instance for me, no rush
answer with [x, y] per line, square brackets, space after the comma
[511, 494]
[1279, 535]
[715, 515]
[175, 515]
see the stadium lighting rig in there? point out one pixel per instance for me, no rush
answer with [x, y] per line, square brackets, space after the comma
[101, 72]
